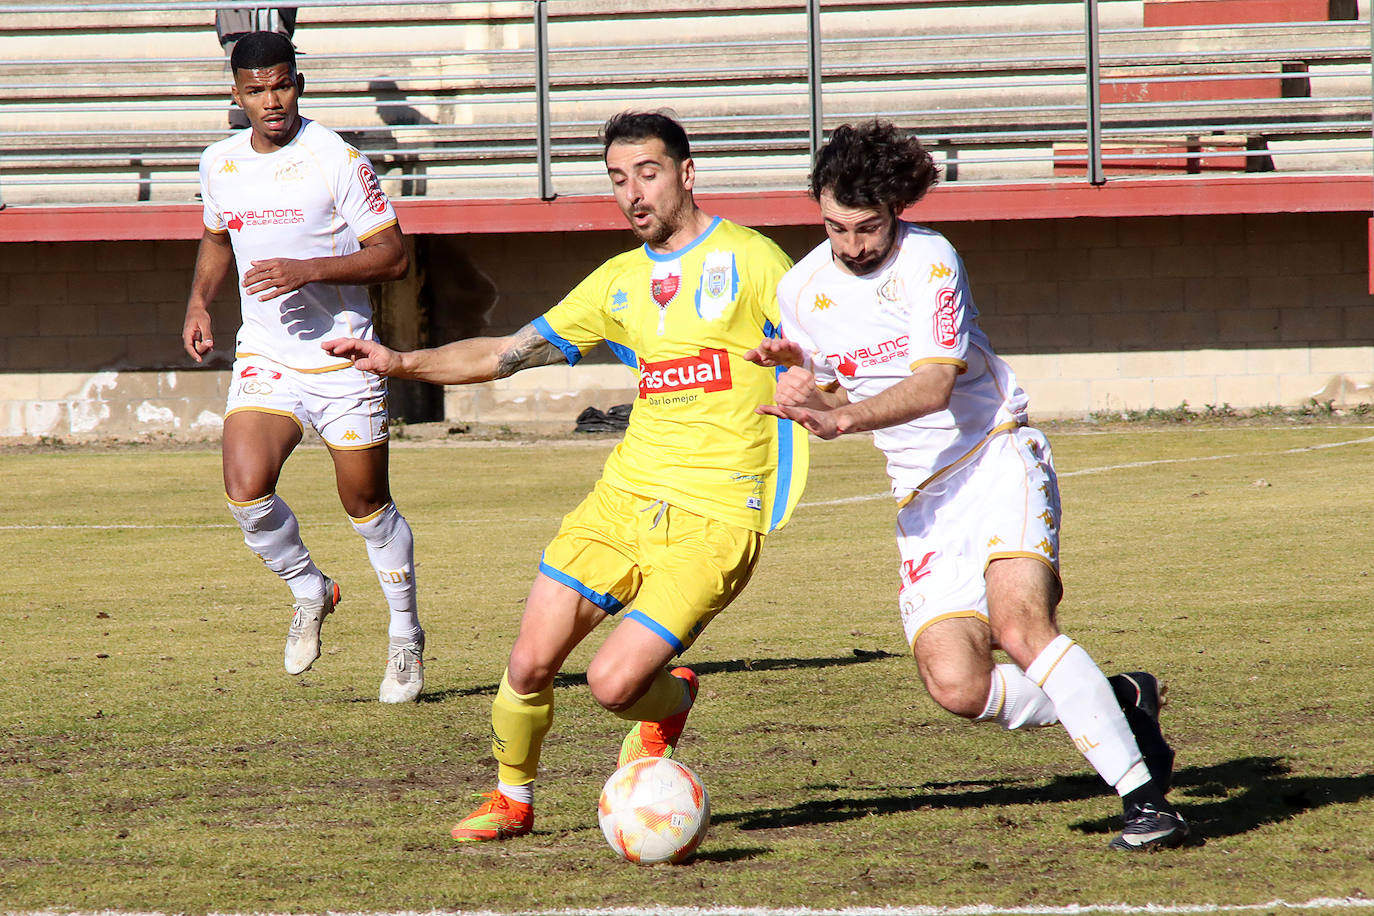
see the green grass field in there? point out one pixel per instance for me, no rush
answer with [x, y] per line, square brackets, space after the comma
[154, 755]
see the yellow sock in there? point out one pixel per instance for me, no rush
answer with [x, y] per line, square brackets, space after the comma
[665, 696]
[519, 723]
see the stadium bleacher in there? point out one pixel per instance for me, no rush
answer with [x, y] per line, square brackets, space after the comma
[1249, 122]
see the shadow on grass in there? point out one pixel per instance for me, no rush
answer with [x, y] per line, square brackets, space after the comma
[929, 796]
[733, 854]
[703, 669]
[1225, 799]
[1244, 794]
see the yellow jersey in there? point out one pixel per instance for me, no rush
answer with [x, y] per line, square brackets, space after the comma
[684, 320]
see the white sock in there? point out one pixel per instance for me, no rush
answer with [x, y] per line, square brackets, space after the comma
[1089, 712]
[391, 547]
[523, 794]
[1014, 701]
[271, 531]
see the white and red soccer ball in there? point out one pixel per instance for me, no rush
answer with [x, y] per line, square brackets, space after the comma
[654, 809]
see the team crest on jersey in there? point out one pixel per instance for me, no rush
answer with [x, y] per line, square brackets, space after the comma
[891, 289]
[289, 171]
[665, 281]
[719, 285]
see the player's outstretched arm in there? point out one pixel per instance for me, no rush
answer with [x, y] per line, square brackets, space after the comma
[214, 259]
[463, 362]
[927, 390]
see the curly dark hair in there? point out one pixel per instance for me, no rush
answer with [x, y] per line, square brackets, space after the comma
[637, 126]
[875, 164]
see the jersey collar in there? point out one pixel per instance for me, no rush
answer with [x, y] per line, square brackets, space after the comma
[674, 255]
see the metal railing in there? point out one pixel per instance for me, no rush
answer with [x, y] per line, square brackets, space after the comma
[998, 99]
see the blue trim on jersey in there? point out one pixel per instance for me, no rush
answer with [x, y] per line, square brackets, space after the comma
[782, 487]
[674, 255]
[771, 330]
[570, 351]
[608, 603]
[624, 354]
[657, 628]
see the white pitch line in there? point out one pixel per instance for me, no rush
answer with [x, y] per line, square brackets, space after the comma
[977, 909]
[1130, 465]
[803, 505]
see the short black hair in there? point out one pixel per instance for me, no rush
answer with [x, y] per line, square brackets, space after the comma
[637, 126]
[875, 164]
[257, 50]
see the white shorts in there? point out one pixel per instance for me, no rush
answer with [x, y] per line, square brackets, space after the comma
[346, 406]
[1004, 503]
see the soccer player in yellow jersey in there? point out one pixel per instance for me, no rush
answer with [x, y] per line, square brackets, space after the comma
[673, 529]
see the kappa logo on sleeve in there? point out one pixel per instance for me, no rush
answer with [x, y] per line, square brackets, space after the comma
[372, 188]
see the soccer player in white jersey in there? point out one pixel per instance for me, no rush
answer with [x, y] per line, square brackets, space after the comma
[882, 336]
[302, 215]
[672, 531]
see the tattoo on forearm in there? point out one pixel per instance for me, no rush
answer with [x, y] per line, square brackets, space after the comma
[527, 349]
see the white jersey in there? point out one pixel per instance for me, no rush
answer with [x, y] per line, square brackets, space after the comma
[868, 333]
[315, 197]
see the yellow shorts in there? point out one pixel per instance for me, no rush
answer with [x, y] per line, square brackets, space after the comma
[674, 569]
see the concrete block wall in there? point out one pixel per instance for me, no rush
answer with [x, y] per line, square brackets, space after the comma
[1116, 314]
[1093, 314]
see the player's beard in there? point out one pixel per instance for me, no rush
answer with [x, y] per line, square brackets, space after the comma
[874, 259]
[660, 228]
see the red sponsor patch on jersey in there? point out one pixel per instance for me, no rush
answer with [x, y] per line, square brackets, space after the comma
[237, 219]
[709, 370]
[372, 188]
[664, 289]
[946, 324]
[850, 362]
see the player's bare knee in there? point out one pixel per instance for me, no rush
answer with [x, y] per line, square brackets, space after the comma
[613, 687]
[527, 673]
[1023, 635]
[955, 692]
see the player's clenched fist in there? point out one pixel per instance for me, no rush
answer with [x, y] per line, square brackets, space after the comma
[367, 355]
[195, 333]
[796, 388]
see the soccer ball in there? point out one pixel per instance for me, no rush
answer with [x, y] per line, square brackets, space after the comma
[654, 809]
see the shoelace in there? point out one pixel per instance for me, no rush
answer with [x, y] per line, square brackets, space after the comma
[399, 654]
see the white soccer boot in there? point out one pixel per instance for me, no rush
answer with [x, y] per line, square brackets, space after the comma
[405, 670]
[303, 636]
